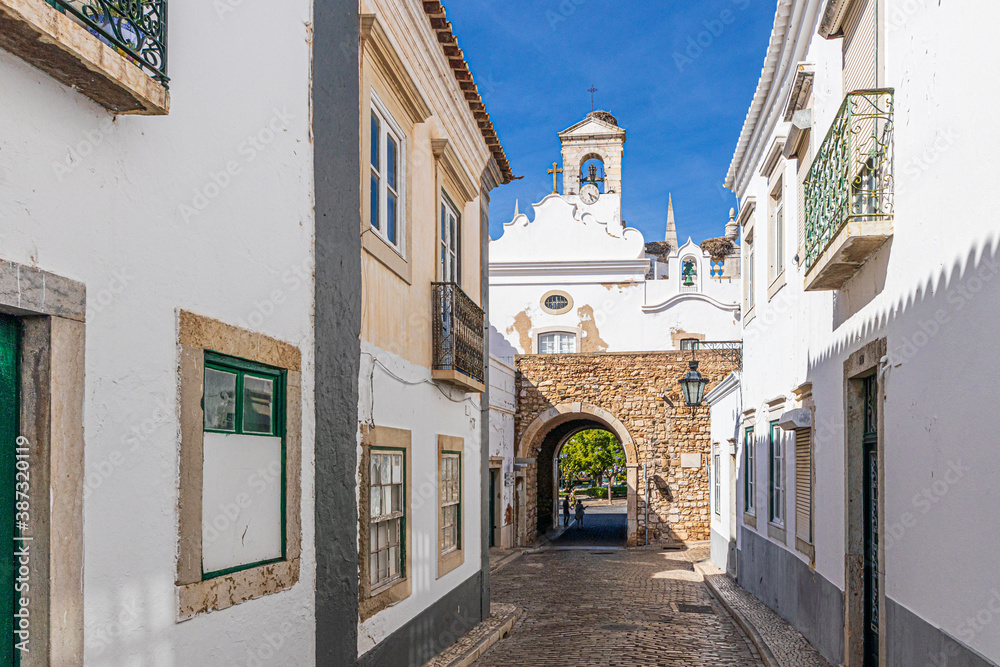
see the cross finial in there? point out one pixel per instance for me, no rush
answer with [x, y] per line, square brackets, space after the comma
[555, 176]
[592, 90]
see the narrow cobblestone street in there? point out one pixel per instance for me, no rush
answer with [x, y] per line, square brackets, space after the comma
[589, 602]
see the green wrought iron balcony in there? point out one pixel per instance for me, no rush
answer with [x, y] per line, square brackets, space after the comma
[137, 29]
[112, 51]
[459, 339]
[849, 191]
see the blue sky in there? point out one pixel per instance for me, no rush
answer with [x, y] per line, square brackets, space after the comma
[679, 76]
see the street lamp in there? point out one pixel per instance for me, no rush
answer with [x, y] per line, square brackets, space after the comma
[693, 386]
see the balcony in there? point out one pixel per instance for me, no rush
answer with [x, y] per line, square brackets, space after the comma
[849, 191]
[459, 344]
[112, 51]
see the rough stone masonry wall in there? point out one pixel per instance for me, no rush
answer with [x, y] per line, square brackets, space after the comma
[629, 386]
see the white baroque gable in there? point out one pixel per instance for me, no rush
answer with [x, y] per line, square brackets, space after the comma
[560, 232]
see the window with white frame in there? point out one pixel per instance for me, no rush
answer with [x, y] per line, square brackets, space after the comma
[749, 472]
[449, 241]
[386, 158]
[557, 342]
[451, 501]
[778, 230]
[386, 517]
[749, 274]
[776, 476]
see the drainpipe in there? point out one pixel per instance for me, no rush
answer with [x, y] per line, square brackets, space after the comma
[645, 482]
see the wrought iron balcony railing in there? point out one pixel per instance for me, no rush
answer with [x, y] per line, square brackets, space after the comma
[851, 178]
[459, 333]
[137, 29]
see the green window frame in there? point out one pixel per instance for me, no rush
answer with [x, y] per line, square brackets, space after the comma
[749, 472]
[776, 476]
[451, 501]
[249, 378]
[394, 534]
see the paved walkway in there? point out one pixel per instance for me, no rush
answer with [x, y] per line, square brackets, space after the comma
[786, 646]
[614, 607]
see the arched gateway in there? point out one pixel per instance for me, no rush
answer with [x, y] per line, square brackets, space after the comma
[543, 440]
[666, 444]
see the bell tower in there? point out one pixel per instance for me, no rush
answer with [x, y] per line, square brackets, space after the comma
[596, 136]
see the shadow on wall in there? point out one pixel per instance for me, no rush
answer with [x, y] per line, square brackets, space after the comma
[938, 377]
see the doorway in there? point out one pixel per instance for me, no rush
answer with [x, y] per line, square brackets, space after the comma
[495, 504]
[871, 492]
[865, 432]
[9, 432]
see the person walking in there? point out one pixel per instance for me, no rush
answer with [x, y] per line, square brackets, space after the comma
[566, 511]
[579, 513]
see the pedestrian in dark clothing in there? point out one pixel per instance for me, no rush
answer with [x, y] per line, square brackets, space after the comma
[579, 513]
[566, 511]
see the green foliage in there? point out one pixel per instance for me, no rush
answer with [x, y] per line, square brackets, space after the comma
[601, 492]
[594, 453]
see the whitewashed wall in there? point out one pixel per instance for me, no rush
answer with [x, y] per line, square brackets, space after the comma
[411, 401]
[724, 413]
[99, 199]
[503, 404]
[570, 247]
[933, 293]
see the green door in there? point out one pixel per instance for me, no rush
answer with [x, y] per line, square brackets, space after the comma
[9, 431]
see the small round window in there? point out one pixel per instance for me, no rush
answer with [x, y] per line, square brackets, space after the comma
[557, 303]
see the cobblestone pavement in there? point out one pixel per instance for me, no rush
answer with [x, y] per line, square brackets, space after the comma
[785, 642]
[607, 607]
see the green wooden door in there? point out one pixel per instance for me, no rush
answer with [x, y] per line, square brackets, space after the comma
[9, 430]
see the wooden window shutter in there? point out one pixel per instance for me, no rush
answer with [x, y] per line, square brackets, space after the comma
[859, 46]
[803, 484]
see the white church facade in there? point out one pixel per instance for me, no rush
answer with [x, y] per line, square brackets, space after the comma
[576, 278]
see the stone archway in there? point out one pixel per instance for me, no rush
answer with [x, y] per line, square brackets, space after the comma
[634, 395]
[543, 439]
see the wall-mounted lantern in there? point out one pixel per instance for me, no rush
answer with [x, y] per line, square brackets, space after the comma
[693, 386]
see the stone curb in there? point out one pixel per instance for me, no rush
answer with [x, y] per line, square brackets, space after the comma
[765, 652]
[506, 559]
[502, 627]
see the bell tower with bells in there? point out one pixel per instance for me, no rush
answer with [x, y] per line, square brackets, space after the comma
[596, 137]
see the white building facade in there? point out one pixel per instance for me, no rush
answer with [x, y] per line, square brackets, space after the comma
[575, 278]
[241, 449]
[866, 499]
[503, 508]
[725, 417]
[163, 532]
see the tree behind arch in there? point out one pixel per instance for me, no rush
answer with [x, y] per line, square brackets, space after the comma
[596, 453]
